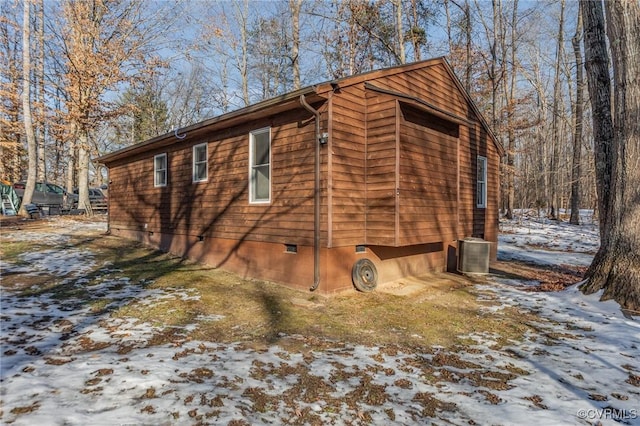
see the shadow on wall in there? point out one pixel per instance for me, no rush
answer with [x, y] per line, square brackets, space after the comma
[219, 207]
[398, 262]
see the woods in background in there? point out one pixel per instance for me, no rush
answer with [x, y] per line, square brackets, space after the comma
[80, 78]
[105, 74]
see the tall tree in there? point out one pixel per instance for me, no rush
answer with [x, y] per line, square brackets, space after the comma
[363, 37]
[269, 59]
[616, 266]
[555, 123]
[417, 34]
[400, 36]
[455, 48]
[294, 7]
[105, 43]
[11, 125]
[40, 92]
[226, 36]
[509, 87]
[577, 126]
[26, 107]
[149, 115]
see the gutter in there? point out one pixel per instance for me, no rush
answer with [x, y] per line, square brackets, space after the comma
[287, 101]
[316, 203]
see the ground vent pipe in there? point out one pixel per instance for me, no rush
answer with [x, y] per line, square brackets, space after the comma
[316, 194]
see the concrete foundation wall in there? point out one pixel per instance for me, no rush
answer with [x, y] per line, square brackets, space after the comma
[272, 262]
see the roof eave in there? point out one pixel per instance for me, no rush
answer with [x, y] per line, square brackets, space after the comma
[264, 108]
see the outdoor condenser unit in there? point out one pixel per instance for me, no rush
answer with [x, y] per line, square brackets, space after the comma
[473, 256]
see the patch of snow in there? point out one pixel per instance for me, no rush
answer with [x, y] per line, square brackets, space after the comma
[44, 238]
[574, 367]
[59, 262]
[547, 242]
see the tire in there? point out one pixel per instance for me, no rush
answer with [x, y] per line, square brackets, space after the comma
[364, 275]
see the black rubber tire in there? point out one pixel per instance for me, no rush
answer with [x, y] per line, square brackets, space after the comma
[364, 275]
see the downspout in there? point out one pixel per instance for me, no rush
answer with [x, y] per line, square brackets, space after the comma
[316, 203]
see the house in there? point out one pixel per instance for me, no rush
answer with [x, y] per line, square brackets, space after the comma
[363, 180]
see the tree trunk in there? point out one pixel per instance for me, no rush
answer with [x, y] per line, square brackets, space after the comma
[616, 266]
[509, 93]
[399, 31]
[415, 40]
[599, 84]
[71, 168]
[243, 60]
[468, 41]
[26, 108]
[83, 173]
[42, 162]
[577, 129]
[557, 98]
[294, 6]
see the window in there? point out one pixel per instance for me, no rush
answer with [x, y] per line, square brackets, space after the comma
[200, 163]
[481, 193]
[54, 188]
[260, 166]
[160, 170]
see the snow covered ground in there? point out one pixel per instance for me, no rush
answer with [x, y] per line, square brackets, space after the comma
[547, 242]
[61, 364]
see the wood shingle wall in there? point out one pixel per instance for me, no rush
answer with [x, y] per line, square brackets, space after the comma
[397, 175]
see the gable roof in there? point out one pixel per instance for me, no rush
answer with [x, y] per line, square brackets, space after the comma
[291, 100]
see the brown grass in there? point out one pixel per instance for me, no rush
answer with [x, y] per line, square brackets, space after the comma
[260, 313]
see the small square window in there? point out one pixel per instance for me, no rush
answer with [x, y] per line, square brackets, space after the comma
[160, 170]
[200, 163]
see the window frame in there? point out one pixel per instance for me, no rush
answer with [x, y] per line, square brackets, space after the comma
[481, 182]
[252, 167]
[156, 184]
[194, 164]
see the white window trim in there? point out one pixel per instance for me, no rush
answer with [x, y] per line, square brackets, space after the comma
[194, 179]
[251, 166]
[483, 203]
[156, 170]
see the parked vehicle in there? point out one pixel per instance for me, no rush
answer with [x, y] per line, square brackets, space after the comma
[97, 199]
[48, 195]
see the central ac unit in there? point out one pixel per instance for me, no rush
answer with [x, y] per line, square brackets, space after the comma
[473, 256]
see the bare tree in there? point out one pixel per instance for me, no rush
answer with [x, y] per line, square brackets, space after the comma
[26, 107]
[402, 57]
[417, 34]
[242, 16]
[494, 33]
[555, 123]
[294, 7]
[577, 126]
[616, 266]
[509, 87]
[227, 37]
[466, 26]
[40, 91]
